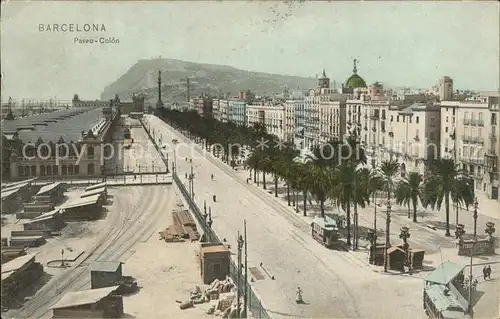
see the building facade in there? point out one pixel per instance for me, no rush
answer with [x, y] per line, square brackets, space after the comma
[237, 112]
[63, 145]
[470, 133]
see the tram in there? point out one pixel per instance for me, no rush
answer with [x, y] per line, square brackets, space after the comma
[443, 292]
[440, 303]
[325, 231]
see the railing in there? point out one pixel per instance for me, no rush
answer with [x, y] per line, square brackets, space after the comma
[467, 121]
[254, 304]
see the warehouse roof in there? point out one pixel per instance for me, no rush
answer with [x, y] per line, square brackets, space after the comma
[9, 185]
[47, 188]
[105, 266]
[92, 192]
[96, 186]
[17, 263]
[67, 124]
[80, 202]
[84, 297]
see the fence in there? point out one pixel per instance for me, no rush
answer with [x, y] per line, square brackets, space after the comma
[254, 305]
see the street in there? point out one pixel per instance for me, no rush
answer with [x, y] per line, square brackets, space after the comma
[335, 284]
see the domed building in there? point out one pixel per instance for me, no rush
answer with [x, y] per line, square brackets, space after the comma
[354, 82]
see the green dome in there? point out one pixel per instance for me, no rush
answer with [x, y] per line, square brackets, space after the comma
[355, 81]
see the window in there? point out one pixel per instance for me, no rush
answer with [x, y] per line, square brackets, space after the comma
[20, 171]
[77, 169]
[392, 118]
[446, 129]
[42, 170]
[33, 170]
[417, 120]
[404, 119]
[453, 112]
[55, 170]
[90, 152]
[397, 118]
[64, 170]
[49, 169]
[90, 169]
[447, 119]
[466, 115]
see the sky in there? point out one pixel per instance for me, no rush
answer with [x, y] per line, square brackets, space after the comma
[400, 44]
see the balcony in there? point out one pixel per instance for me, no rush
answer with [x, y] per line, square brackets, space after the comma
[416, 138]
[374, 117]
[477, 122]
[467, 121]
[492, 136]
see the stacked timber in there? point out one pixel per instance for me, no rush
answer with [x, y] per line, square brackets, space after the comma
[183, 228]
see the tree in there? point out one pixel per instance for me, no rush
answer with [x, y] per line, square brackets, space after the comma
[388, 171]
[410, 191]
[447, 182]
[348, 190]
[320, 183]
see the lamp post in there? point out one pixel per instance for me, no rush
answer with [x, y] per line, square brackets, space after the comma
[471, 253]
[387, 238]
[460, 231]
[240, 247]
[490, 229]
[404, 235]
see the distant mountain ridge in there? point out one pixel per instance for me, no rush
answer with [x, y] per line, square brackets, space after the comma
[204, 78]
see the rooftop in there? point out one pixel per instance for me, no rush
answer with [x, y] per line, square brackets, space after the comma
[444, 273]
[326, 223]
[445, 301]
[84, 297]
[220, 248]
[105, 266]
[47, 188]
[67, 124]
[80, 202]
[17, 263]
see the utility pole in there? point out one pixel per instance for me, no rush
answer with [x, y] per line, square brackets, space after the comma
[469, 310]
[245, 303]
[240, 246]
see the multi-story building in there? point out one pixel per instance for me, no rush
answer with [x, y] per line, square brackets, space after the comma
[332, 117]
[270, 114]
[76, 102]
[203, 105]
[470, 133]
[445, 89]
[237, 112]
[63, 143]
[413, 134]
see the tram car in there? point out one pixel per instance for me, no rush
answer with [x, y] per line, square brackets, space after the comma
[325, 231]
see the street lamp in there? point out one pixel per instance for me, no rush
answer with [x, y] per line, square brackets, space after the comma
[471, 253]
[404, 235]
[460, 231]
[240, 247]
[387, 238]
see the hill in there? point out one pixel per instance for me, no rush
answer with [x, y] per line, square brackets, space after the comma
[207, 78]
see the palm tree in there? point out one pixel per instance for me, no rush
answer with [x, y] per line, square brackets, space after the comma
[348, 190]
[320, 182]
[388, 172]
[410, 190]
[447, 181]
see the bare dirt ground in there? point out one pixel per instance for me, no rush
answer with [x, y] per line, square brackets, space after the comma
[166, 272]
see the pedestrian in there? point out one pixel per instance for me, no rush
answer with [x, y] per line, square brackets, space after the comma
[212, 176]
[488, 269]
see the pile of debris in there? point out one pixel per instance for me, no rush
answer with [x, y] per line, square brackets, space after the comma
[184, 227]
[222, 296]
